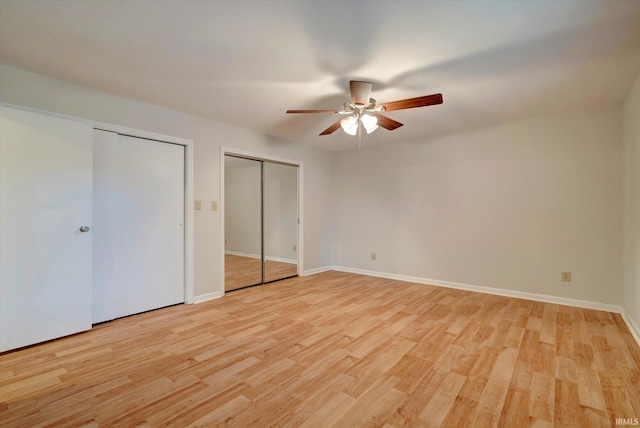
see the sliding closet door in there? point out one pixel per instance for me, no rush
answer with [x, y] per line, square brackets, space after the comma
[138, 251]
[243, 228]
[261, 221]
[280, 221]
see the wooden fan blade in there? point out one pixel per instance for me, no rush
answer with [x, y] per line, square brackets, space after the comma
[387, 122]
[311, 111]
[331, 129]
[427, 100]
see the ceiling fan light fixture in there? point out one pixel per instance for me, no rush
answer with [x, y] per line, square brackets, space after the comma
[359, 112]
[350, 125]
[369, 122]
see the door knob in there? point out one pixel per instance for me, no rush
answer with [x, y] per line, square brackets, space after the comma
[84, 229]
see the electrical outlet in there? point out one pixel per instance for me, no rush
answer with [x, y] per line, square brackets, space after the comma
[198, 205]
[565, 276]
[214, 206]
[295, 248]
[374, 256]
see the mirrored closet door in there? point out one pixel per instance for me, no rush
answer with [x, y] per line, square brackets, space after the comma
[261, 222]
[280, 221]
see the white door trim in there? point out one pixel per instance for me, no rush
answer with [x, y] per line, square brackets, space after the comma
[188, 182]
[262, 157]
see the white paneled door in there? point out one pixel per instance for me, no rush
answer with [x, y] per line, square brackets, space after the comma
[45, 227]
[138, 225]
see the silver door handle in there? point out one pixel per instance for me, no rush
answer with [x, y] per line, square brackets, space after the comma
[84, 229]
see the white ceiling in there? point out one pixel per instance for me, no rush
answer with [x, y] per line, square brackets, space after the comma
[247, 62]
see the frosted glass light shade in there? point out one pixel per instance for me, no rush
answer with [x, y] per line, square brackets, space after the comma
[350, 125]
[369, 122]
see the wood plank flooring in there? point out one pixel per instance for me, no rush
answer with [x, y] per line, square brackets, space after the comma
[243, 271]
[333, 349]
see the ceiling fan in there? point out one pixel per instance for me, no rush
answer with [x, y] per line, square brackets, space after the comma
[363, 112]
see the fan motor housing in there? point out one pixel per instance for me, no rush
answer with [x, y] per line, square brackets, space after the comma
[360, 92]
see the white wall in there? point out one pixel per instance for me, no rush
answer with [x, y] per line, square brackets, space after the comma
[36, 91]
[510, 206]
[632, 204]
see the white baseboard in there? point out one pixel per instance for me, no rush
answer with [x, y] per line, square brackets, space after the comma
[241, 254]
[208, 296]
[257, 256]
[490, 290]
[281, 260]
[318, 270]
[633, 328]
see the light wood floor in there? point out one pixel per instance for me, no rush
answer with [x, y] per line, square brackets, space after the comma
[243, 271]
[333, 349]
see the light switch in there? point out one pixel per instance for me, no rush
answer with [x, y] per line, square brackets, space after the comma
[198, 205]
[214, 205]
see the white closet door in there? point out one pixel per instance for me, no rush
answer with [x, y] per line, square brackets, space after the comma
[138, 251]
[45, 197]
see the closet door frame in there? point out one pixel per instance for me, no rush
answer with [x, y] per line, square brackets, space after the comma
[264, 158]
